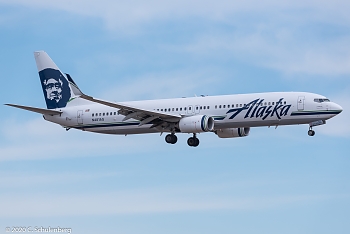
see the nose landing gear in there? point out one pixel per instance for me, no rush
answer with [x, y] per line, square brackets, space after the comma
[311, 132]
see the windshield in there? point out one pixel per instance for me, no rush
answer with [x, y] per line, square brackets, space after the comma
[321, 100]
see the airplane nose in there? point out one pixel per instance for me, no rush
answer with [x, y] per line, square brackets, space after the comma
[338, 107]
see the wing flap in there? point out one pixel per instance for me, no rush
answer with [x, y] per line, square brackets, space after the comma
[37, 110]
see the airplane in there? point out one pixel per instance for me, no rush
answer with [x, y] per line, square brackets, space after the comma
[227, 116]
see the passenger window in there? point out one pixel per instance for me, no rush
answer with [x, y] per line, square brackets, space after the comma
[177, 109]
[285, 102]
[107, 113]
[216, 106]
[173, 109]
[200, 108]
[269, 103]
[103, 114]
[273, 103]
[92, 114]
[223, 106]
[185, 108]
[180, 108]
[219, 106]
[115, 113]
[208, 107]
[240, 105]
[189, 108]
[165, 110]
[196, 107]
[100, 114]
[169, 109]
[204, 107]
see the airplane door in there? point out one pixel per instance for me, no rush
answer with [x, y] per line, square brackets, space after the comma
[301, 100]
[80, 117]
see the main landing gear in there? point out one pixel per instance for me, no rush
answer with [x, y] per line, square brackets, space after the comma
[311, 132]
[172, 139]
[193, 141]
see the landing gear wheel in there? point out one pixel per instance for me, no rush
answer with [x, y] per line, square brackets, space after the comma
[311, 132]
[193, 141]
[197, 142]
[174, 139]
[171, 138]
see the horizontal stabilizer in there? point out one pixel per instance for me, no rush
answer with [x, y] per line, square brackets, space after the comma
[37, 110]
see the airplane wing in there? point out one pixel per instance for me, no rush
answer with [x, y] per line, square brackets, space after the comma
[145, 116]
[37, 110]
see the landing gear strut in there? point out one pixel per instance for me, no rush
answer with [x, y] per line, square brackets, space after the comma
[311, 132]
[193, 141]
[171, 138]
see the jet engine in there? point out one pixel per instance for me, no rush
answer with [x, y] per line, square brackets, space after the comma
[232, 132]
[196, 123]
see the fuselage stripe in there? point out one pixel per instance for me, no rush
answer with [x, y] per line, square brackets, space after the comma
[106, 125]
[315, 113]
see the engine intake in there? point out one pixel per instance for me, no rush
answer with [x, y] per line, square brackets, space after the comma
[196, 123]
[232, 132]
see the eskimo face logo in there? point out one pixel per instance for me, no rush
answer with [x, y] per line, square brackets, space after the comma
[56, 89]
[256, 109]
[53, 89]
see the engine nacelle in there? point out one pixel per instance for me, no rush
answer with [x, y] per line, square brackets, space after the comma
[196, 123]
[232, 132]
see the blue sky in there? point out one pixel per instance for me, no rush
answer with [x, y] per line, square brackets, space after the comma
[273, 181]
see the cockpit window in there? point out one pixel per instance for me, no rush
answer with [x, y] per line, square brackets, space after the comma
[320, 100]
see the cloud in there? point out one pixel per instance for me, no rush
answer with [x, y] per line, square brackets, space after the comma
[37, 139]
[31, 180]
[142, 201]
[278, 48]
[281, 35]
[123, 14]
[162, 85]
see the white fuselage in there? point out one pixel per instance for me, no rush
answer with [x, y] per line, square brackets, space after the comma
[228, 111]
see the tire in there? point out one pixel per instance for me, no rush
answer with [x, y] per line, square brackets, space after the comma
[174, 140]
[196, 142]
[311, 133]
[191, 141]
[169, 139]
